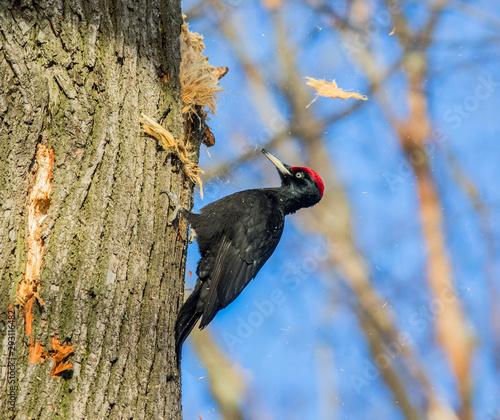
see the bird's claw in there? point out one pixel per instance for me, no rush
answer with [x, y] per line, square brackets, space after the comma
[175, 201]
[174, 217]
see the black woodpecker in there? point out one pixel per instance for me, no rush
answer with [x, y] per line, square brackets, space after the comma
[236, 235]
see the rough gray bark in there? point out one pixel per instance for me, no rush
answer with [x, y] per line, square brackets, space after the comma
[76, 76]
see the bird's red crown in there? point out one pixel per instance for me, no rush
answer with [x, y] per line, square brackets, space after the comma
[314, 176]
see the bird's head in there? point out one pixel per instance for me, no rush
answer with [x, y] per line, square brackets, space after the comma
[303, 183]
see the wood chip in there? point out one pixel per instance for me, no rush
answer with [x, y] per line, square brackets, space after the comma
[331, 90]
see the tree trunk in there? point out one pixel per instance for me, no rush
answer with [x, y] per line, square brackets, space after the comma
[75, 77]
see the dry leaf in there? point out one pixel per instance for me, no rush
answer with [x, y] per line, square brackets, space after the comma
[392, 32]
[331, 90]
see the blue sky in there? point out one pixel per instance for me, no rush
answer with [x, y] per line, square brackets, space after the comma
[310, 344]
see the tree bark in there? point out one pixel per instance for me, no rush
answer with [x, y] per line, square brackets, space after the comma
[75, 77]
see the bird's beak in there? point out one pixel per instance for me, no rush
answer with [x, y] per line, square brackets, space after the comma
[282, 167]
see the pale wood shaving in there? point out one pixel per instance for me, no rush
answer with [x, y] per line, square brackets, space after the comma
[174, 146]
[38, 205]
[199, 91]
[331, 90]
[199, 79]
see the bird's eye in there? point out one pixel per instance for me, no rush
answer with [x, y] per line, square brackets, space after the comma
[299, 175]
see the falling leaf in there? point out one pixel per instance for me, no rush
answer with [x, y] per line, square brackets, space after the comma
[331, 90]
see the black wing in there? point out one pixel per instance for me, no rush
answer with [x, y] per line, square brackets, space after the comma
[251, 233]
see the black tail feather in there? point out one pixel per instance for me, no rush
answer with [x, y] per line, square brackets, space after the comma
[186, 320]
